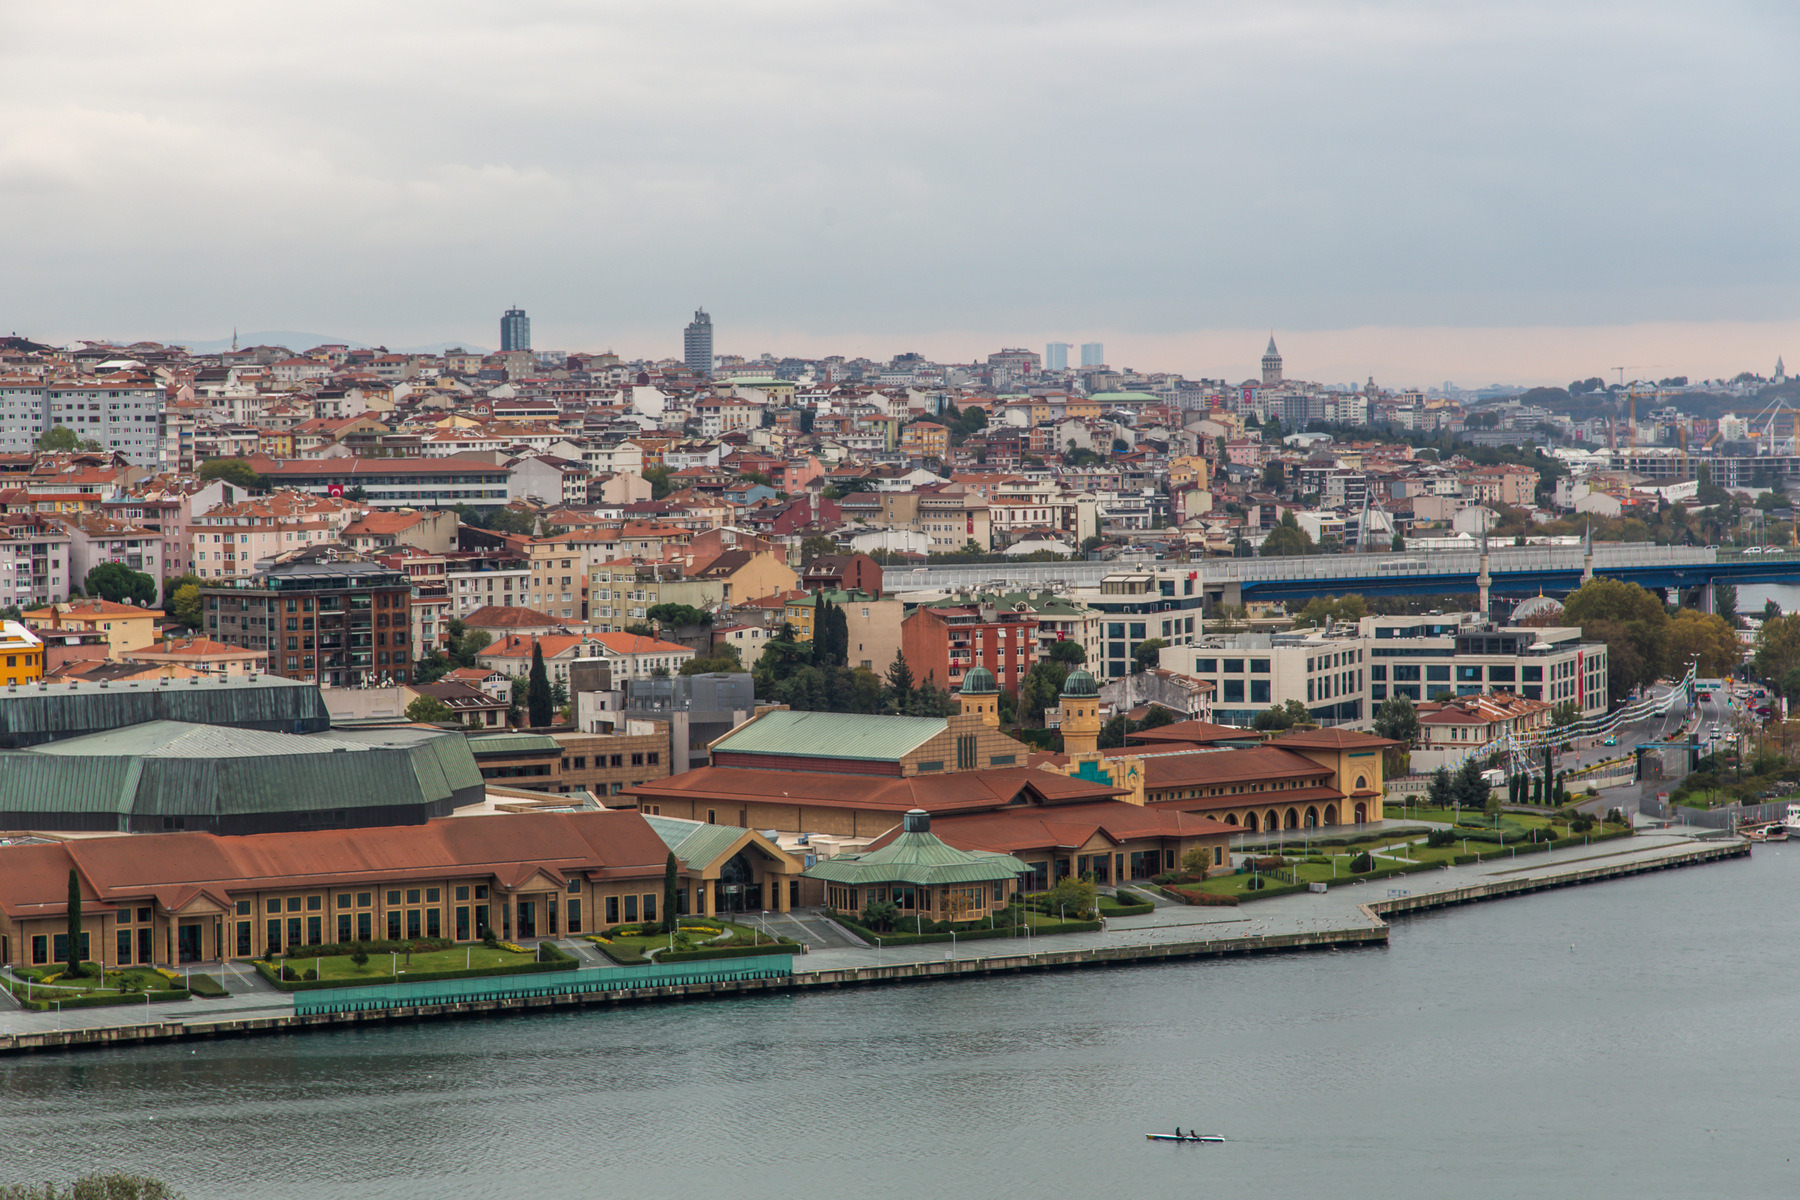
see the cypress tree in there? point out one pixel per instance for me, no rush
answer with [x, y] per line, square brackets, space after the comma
[670, 893]
[74, 923]
[1549, 777]
[537, 689]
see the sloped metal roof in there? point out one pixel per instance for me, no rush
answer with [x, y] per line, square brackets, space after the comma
[833, 735]
[513, 743]
[38, 713]
[917, 858]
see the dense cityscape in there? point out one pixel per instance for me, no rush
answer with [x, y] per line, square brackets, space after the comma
[965, 601]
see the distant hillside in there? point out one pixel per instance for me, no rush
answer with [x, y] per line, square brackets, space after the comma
[300, 342]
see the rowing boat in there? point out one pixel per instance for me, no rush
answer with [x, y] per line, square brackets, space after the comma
[1186, 1137]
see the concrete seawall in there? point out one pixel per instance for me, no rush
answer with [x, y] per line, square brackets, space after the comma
[1597, 870]
[1368, 929]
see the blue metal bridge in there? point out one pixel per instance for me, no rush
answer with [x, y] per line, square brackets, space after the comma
[1515, 571]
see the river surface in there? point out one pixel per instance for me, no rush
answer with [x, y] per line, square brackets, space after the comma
[1629, 1039]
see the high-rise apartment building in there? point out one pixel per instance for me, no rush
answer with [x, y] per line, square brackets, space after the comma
[697, 343]
[1056, 356]
[1093, 354]
[123, 416]
[515, 330]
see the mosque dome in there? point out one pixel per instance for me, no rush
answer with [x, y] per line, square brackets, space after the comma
[1080, 683]
[1536, 606]
[978, 682]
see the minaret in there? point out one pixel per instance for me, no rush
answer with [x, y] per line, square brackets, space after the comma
[1483, 580]
[1080, 714]
[1587, 553]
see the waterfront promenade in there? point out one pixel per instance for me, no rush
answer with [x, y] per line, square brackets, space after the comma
[1342, 917]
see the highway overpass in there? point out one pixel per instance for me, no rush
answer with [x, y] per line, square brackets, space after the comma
[1516, 571]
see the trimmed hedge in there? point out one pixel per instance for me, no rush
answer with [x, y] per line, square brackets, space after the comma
[81, 1000]
[969, 935]
[1513, 849]
[1110, 907]
[625, 956]
[1195, 896]
[346, 949]
[563, 962]
[206, 987]
[727, 952]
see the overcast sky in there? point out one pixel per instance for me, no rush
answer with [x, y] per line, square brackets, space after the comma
[1513, 191]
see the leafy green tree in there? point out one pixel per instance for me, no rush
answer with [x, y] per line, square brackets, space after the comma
[1069, 654]
[671, 892]
[679, 615]
[1112, 734]
[120, 584]
[724, 659]
[184, 605]
[1633, 624]
[95, 1187]
[1274, 476]
[1145, 655]
[1442, 790]
[431, 668]
[1042, 688]
[1470, 790]
[1398, 543]
[538, 699]
[816, 546]
[1283, 716]
[74, 931]
[428, 710]
[1397, 719]
[1287, 539]
[1072, 895]
[236, 471]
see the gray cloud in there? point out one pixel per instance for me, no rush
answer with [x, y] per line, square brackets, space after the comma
[402, 171]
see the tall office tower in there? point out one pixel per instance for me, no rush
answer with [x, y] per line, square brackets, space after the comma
[1093, 354]
[697, 343]
[515, 330]
[1271, 364]
[1056, 356]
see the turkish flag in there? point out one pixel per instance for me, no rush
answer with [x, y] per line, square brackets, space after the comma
[334, 489]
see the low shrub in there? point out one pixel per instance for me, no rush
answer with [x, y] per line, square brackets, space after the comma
[1362, 862]
[1256, 883]
[1126, 906]
[1440, 837]
[1196, 896]
[728, 952]
[1176, 877]
[345, 949]
[206, 986]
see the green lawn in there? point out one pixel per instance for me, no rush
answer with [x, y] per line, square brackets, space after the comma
[138, 981]
[694, 933]
[379, 967]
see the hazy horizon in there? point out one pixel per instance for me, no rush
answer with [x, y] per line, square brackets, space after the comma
[1526, 193]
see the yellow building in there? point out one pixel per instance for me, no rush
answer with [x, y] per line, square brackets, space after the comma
[125, 626]
[1189, 468]
[23, 654]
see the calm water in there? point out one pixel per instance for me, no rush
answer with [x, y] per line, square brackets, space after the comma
[1630, 1039]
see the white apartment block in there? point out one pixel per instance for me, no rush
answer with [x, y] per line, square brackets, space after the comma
[126, 417]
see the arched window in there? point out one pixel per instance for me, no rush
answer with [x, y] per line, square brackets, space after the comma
[1312, 817]
[1293, 818]
[1250, 822]
[1361, 782]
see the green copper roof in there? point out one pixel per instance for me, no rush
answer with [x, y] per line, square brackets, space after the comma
[832, 735]
[513, 743]
[979, 682]
[917, 858]
[694, 843]
[1080, 683]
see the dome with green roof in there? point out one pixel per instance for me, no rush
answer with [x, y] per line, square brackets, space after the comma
[1080, 683]
[979, 682]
